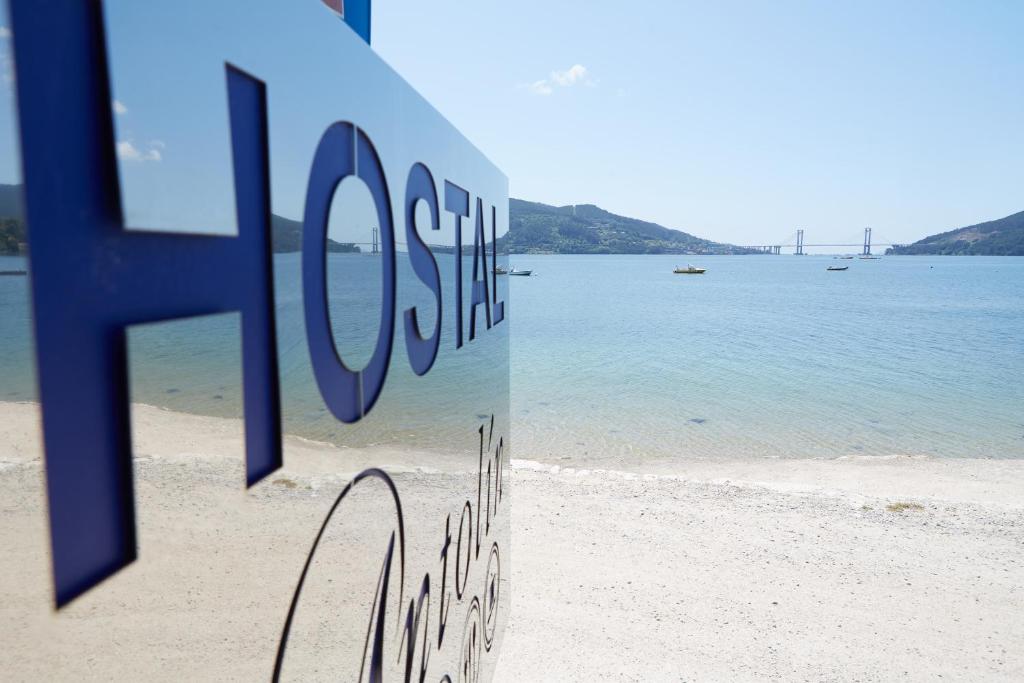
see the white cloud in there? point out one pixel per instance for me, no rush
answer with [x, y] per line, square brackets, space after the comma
[5, 33]
[126, 151]
[541, 88]
[577, 73]
[119, 108]
[574, 74]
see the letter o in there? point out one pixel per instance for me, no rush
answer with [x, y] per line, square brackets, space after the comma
[349, 394]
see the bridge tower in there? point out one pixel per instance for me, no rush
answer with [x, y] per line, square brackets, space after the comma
[800, 242]
[867, 241]
[375, 249]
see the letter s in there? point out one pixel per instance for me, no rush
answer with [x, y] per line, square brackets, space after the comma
[422, 350]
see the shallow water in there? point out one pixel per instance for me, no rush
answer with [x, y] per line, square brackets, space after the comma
[194, 365]
[616, 359]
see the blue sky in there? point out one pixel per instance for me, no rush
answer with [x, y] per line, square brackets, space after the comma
[735, 121]
[739, 121]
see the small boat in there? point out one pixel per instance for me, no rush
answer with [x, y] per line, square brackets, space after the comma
[838, 268]
[846, 258]
[523, 273]
[689, 270]
[498, 270]
[868, 258]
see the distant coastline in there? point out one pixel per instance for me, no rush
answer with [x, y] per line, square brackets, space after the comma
[287, 234]
[1002, 237]
[536, 228]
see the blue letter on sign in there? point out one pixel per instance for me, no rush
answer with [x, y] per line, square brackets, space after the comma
[91, 279]
[345, 151]
[456, 200]
[422, 350]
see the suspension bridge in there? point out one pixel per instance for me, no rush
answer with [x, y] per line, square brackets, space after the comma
[374, 246]
[799, 244]
[795, 241]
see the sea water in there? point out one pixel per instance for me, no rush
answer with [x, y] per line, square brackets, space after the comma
[616, 360]
[194, 365]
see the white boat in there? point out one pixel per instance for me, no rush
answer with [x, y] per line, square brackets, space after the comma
[689, 270]
[523, 273]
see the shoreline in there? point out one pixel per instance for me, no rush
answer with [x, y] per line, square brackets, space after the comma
[854, 568]
[157, 432]
[981, 481]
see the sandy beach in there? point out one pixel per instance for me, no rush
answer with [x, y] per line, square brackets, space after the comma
[864, 569]
[857, 569]
[218, 564]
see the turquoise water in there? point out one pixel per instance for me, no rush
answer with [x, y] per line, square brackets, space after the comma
[616, 359]
[194, 365]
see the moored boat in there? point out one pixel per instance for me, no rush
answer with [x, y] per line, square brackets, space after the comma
[838, 268]
[689, 270]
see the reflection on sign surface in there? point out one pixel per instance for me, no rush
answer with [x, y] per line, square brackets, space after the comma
[248, 225]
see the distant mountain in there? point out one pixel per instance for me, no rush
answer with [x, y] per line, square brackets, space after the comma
[287, 234]
[10, 201]
[12, 229]
[536, 228]
[1003, 237]
[288, 238]
[12, 237]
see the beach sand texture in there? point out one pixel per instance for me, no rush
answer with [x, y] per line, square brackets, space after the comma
[769, 570]
[218, 565]
[743, 570]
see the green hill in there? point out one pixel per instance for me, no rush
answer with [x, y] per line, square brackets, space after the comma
[10, 201]
[287, 234]
[12, 237]
[1003, 237]
[288, 238]
[12, 229]
[536, 228]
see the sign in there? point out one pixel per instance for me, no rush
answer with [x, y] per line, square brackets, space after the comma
[242, 222]
[355, 12]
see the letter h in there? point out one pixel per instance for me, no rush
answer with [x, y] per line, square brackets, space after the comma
[91, 279]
